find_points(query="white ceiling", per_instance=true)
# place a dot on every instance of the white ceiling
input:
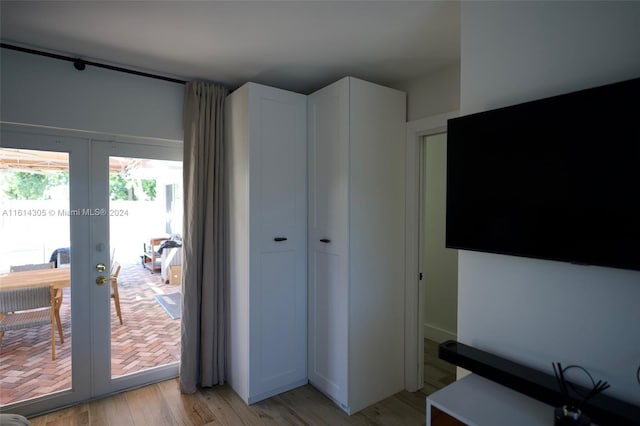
(295, 45)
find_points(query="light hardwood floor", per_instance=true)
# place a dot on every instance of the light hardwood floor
(437, 373)
(162, 404)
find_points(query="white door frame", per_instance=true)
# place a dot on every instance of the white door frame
(414, 290)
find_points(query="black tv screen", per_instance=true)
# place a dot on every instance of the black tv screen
(556, 178)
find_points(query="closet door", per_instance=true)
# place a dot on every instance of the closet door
(278, 209)
(376, 242)
(328, 115)
(265, 129)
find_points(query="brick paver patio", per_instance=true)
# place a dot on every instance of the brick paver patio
(148, 338)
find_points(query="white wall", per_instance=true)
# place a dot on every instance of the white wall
(434, 93)
(439, 264)
(49, 92)
(535, 311)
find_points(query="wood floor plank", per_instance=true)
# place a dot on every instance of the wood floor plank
(394, 411)
(317, 409)
(228, 408)
(78, 419)
(73, 416)
(188, 410)
(162, 404)
(111, 411)
(417, 400)
(281, 413)
(148, 407)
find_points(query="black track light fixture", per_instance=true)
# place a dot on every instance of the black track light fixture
(79, 64)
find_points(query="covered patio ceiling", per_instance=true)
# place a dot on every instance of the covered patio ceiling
(26, 160)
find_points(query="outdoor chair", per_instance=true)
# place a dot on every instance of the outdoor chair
(114, 288)
(31, 307)
(31, 267)
(34, 267)
(63, 259)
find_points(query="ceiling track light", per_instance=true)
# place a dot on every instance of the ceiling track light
(79, 64)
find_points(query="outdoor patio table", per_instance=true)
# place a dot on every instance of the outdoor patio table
(57, 277)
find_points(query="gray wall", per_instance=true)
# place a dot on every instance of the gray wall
(433, 93)
(537, 311)
(49, 92)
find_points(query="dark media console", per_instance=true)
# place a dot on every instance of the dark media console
(602, 409)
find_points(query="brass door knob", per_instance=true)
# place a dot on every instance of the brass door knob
(101, 267)
(102, 280)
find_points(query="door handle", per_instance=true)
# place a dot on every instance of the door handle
(102, 280)
(278, 239)
(325, 240)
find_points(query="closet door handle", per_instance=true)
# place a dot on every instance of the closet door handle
(325, 240)
(278, 239)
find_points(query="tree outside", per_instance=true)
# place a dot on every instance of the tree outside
(32, 186)
(41, 186)
(122, 188)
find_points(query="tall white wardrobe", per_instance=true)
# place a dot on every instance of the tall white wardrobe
(265, 130)
(356, 242)
(317, 294)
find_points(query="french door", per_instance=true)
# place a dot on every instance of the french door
(114, 197)
(126, 225)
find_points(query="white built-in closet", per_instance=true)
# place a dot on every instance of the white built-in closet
(356, 242)
(347, 148)
(266, 141)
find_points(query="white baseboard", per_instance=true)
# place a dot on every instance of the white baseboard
(438, 334)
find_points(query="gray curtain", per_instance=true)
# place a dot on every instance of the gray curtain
(205, 285)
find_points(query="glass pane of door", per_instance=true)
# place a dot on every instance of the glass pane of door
(145, 227)
(35, 256)
(136, 189)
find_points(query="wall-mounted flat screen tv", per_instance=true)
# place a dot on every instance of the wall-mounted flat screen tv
(556, 178)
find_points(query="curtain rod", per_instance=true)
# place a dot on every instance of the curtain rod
(80, 64)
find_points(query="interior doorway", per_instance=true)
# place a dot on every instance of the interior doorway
(438, 265)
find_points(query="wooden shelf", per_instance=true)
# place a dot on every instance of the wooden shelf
(150, 255)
